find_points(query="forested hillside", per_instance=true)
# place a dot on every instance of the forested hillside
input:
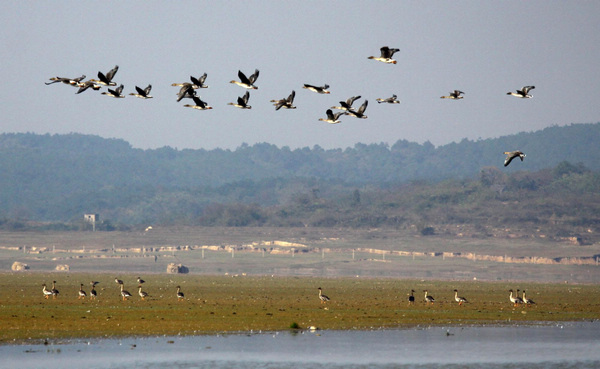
(57, 178)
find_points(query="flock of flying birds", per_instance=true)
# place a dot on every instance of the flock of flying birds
(188, 90)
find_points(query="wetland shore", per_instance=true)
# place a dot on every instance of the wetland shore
(221, 304)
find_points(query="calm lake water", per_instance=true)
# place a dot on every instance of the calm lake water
(564, 345)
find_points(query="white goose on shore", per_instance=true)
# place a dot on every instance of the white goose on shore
(459, 299)
(47, 293)
(322, 297)
(124, 294)
(428, 298)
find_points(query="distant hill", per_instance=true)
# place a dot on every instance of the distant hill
(60, 177)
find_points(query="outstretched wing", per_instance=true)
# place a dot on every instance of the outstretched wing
(254, 76)
(329, 114)
(351, 100)
(363, 107)
(110, 75)
(243, 78)
(385, 52)
(526, 89)
(290, 98)
(103, 78)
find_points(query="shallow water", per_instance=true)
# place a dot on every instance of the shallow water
(564, 345)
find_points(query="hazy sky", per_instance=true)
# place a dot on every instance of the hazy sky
(484, 48)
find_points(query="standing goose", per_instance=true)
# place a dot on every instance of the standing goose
(47, 293)
(516, 300)
(322, 297)
(242, 102)
(142, 94)
(287, 103)
(246, 82)
(332, 118)
(454, 95)
(526, 300)
(200, 105)
(124, 294)
(93, 293)
(360, 113)
(389, 100)
(140, 280)
(346, 105)
(317, 89)
(116, 93)
(81, 294)
(68, 81)
(459, 299)
(142, 294)
(510, 155)
(411, 297)
(54, 290)
(106, 80)
(522, 93)
(386, 55)
(199, 82)
(428, 298)
(179, 294)
(118, 281)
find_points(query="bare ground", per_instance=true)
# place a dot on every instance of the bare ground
(322, 252)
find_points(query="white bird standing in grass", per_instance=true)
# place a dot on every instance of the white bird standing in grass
(142, 294)
(81, 293)
(322, 297)
(459, 299)
(47, 293)
(526, 300)
(180, 294)
(124, 294)
(428, 298)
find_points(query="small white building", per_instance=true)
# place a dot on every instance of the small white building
(92, 219)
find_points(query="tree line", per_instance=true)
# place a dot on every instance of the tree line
(57, 178)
